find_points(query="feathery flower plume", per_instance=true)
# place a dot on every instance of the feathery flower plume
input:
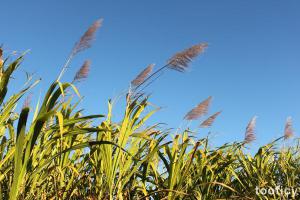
(250, 131)
(83, 72)
(288, 129)
(88, 37)
(200, 110)
(84, 43)
(180, 60)
(209, 121)
(142, 76)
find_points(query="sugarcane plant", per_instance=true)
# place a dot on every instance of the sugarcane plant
(51, 150)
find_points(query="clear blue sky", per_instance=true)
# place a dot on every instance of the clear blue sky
(251, 67)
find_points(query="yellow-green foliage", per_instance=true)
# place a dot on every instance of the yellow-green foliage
(61, 154)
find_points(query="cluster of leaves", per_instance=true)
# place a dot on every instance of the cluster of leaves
(62, 154)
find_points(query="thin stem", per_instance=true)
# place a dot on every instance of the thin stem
(64, 68)
(157, 71)
(143, 88)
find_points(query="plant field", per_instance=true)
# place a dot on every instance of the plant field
(52, 151)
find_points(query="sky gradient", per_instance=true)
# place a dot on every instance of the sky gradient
(251, 67)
